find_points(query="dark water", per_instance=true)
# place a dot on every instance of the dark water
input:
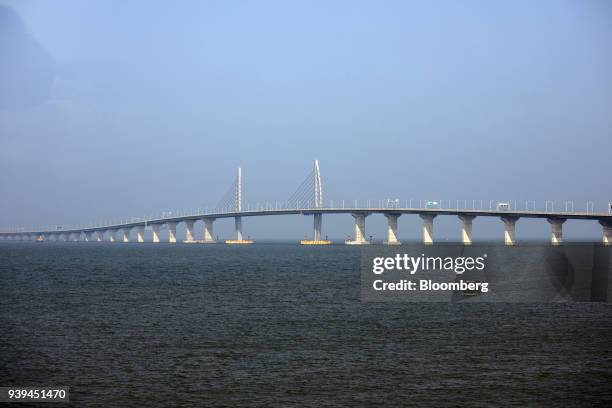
(138, 325)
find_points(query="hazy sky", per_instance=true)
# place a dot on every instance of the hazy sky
(115, 109)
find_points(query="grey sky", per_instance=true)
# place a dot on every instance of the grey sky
(133, 108)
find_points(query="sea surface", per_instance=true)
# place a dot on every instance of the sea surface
(277, 325)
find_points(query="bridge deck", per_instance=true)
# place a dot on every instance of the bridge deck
(605, 217)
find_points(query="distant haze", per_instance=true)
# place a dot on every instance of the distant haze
(114, 109)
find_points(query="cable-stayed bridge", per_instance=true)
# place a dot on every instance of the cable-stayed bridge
(308, 200)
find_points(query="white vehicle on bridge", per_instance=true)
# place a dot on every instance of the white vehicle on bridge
(432, 204)
(503, 207)
(392, 203)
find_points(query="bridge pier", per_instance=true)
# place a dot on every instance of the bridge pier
(466, 228)
(392, 229)
(318, 225)
(208, 231)
(189, 235)
(557, 230)
(238, 223)
(607, 232)
(427, 228)
(112, 235)
(239, 239)
(126, 233)
(140, 230)
(171, 232)
(98, 236)
(360, 231)
(155, 228)
(510, 228)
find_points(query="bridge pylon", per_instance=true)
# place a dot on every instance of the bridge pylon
(318, 203)
(238, 209)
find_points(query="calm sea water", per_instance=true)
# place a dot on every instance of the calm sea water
(278, 325)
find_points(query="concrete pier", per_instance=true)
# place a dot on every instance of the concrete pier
(607, 232)
(238, 223)
(509, 231)
(155, 228)
(466, 228)
(126, 233)
(239, 237)
(392, 238)
(557, 230)
(111, 235)
(140, 229)
(318, 225)
(189, 235)
(360, 231)
(427, 228)
(208, 231)
(98, 236)
(171, 232)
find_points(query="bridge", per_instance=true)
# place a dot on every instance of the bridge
(308, 200)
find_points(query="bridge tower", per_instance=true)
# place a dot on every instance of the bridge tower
(238, 204)
(318, 190)
(318, 204)
(238, 209)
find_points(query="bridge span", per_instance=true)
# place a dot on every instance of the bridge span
(509, 218)
(311, 193)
